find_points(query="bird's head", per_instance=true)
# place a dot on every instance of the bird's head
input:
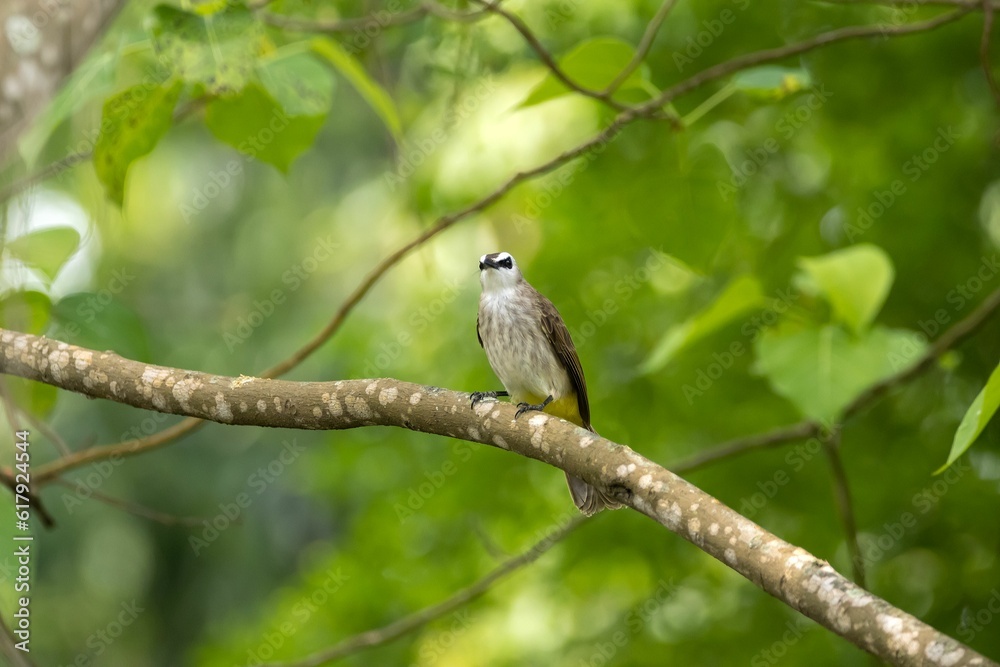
(498, 271)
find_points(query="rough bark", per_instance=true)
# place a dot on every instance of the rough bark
(787, 572)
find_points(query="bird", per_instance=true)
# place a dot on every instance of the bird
(531, 352)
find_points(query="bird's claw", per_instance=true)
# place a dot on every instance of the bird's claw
(478, 396)
(527, 407)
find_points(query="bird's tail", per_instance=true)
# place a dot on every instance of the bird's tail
(588, 498)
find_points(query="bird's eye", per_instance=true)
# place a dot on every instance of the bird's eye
(481, 266)
(507, 263)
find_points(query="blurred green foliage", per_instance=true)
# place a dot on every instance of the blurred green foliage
(814, 225)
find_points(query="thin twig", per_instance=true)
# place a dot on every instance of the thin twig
(845, 506)
(378, 20)
(644, 45)
(414, 621)
(136, 508)
(7, 476)
(344, 25)
(949, 339)
(778, 436)
(73, 159)
(494, 7)
(13, 410)
(984, 50)
(43, 174)
(780, 53)
(47, 472)
(7, 479)
(808, 428)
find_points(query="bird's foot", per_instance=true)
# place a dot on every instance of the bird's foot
(528, 407)
(478, 396)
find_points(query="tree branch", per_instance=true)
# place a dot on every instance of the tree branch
(845, 506)
(522, 28)
(417, 620)
(949, 339)
(780, 53)
(136, 509)
(791, 574)
(778, 436)
(644, 45)
(809, 429)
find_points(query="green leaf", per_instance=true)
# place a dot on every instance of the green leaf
(593, 64)
(741, 295)
(772, 82)
(376, 96)
(855, 280)
(25, 311)
(46, 250)
(297, 81)
(217, 50)
(255, 124)
(821, 370)
(133, 122)
(976, 417)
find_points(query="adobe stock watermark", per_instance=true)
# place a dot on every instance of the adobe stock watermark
(94, 304)
(712, 29)
(217, 181)
(785, 128)
(796, 459)
(421, 150)
(873, 548)
(558, 13)
(101, 640)
(604, 652)
(960, 296)
(624, 289)
(899, 15)
(153, 77)
(913, 169)
(437, 647)
(100, 471)
(418, 495)
(773, 654)
(303, 610)
(555, 184)
(257, 482)
(370, 29)
(975, 622)
(293, 278)
(708, 375)
(417, 322)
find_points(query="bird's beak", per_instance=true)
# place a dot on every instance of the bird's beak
(490, 263)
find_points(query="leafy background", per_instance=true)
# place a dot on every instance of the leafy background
(813, 224)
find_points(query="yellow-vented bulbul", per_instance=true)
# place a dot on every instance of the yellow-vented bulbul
(530, 350)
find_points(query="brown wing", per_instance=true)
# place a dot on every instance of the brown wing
(479, 335)
(558, 335)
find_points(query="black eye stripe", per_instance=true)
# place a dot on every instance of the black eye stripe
(507, 263)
